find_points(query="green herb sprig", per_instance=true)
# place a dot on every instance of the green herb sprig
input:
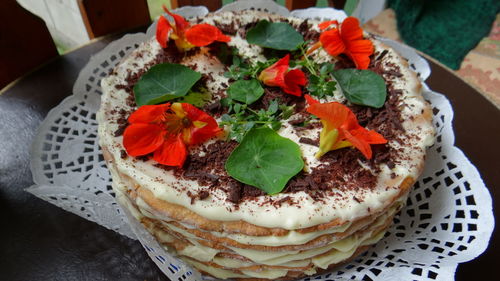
(321, 82)
(241, 118)
(242, 70)
(322, 85)
(304, 60)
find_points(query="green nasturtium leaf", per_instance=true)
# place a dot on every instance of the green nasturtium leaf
(246, 91)
(197, 97)
(164, 82)
(265, 160)
(363, 87)
(276, 35)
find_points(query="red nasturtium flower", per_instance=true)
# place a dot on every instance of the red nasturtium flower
(341, 128)
(185, 35)
(166, 130)
(279, 75)
(345, 39)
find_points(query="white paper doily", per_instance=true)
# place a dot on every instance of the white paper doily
(448, 218)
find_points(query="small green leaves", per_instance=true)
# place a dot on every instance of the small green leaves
(245, 91)
(164, 82)
(363, 87)
(322, 85)
(240, 118)
(276, 35)
(238, 70)
(265, 160)
(241, 70)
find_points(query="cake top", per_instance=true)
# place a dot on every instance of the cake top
(236, 115)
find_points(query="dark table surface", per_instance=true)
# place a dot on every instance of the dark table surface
(42, 242)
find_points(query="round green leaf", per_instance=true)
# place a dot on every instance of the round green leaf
(276, 35)
(265, 160)
(164, 82)
(246, 91)
(363, 87)
(197, 97)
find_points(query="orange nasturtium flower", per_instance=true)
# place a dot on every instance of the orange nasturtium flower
(279, 75)
(341, 128)
(345, 39)
(166, 130)
(185, 35)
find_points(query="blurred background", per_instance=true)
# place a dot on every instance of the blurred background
(462, 35)
(67, 25)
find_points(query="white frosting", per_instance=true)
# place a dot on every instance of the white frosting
(165, 186)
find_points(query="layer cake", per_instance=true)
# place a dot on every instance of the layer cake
(332, 210)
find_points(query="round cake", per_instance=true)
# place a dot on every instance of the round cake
(257, 147)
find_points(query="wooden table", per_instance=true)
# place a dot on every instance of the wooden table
(42, 242)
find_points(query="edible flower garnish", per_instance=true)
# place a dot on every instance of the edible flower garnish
(341, 128)
(345, 39)
(279, 75)
(185, 35)
(165, 130)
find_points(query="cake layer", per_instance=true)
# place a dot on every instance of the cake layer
(311, 239)
(230, 262)
(222, 260)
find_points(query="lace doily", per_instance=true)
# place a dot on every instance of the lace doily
(448, 218)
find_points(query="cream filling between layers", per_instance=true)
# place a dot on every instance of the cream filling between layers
(163, 183)
(323, 262)
(283, 258)
(235, 263)
(292, 238)
(338, 252)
